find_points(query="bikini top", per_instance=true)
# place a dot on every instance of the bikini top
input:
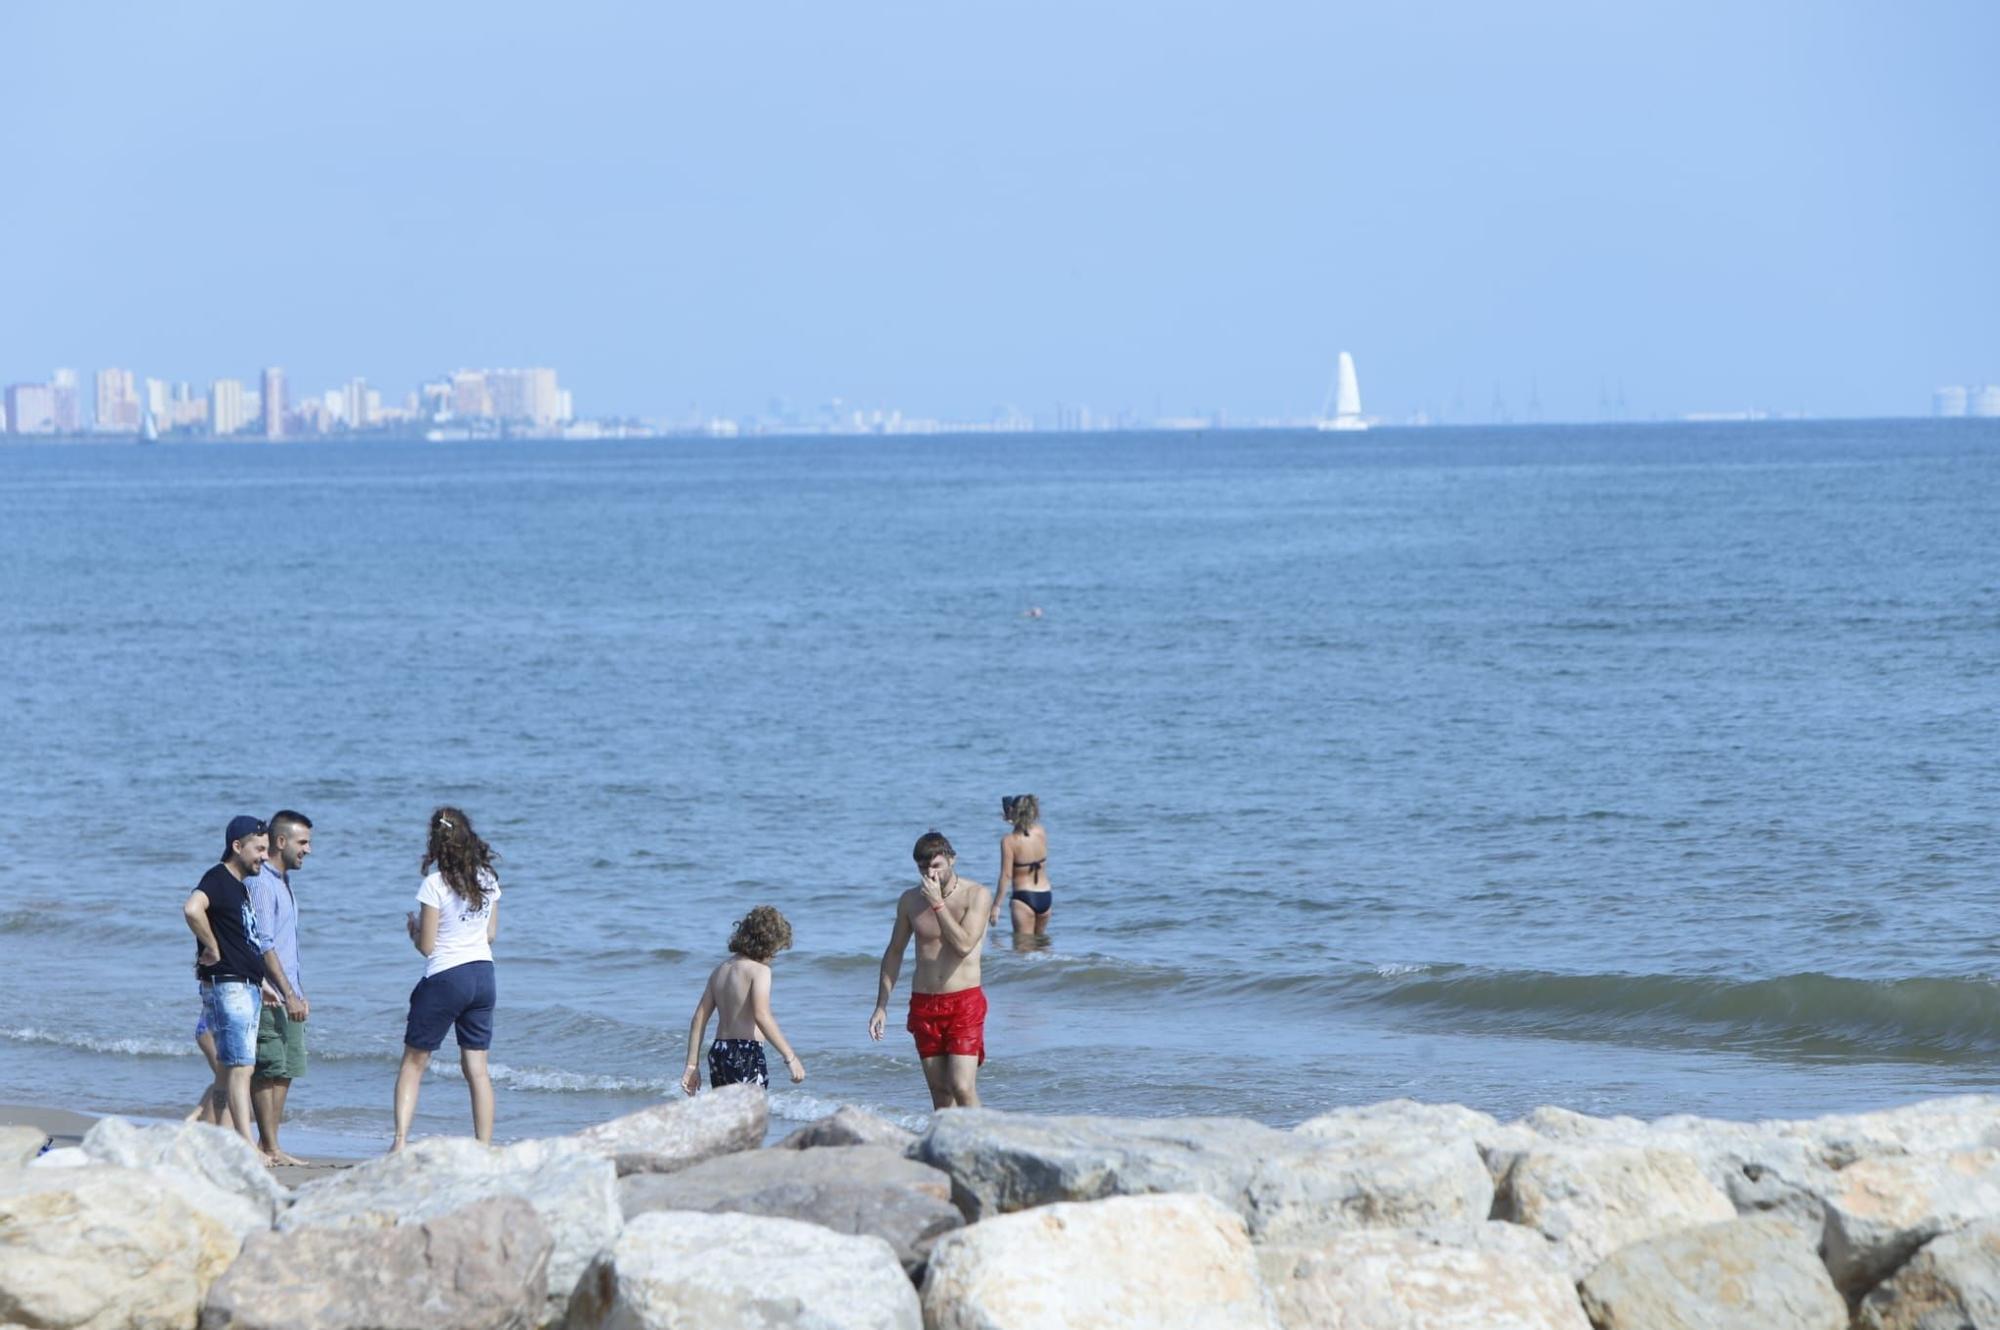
(1035, 866)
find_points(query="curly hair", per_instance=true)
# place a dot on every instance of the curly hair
(464, 860)
(1022, 811)
(761, 934)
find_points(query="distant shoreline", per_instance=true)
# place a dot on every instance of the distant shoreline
(617, 433)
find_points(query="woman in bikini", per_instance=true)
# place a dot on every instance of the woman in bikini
(1024, 855)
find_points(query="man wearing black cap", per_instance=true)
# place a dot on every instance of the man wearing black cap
(233, 960)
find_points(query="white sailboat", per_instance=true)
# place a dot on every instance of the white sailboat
(1345, 399)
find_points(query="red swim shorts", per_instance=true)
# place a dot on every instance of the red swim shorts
(949, 1023)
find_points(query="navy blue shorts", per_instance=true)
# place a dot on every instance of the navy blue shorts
(460, 997)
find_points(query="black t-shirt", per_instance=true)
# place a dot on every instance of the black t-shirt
(235, 925)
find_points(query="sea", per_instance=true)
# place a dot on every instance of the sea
(1641, 769)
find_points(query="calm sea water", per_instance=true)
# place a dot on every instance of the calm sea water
(1639, 769)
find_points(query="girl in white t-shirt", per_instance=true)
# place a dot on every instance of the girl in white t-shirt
(456, 919)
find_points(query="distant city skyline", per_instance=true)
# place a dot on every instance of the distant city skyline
(531, 403)
(480, 400)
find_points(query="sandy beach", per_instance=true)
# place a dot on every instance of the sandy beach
(65, 1127)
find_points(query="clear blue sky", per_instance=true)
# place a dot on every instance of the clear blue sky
(949, 206)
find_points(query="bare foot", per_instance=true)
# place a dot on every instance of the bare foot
(281, 1158)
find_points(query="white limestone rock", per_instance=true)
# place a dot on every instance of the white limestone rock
(1170, 1262)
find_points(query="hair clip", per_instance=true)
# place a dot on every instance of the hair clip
(445, 822)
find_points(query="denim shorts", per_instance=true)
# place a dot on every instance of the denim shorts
(462, 998)
(230, 1008)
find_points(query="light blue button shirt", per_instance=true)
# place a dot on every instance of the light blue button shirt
(278, 919)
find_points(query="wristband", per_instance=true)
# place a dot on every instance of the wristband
(938, 908)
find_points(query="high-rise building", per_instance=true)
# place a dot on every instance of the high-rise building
(227, 411)
(1948, 402)
(523, 396)
(117, 403)
(68, 402)
(31, 408)
(354, 405)
(470, 395)
(1983, 402)
(159, 400)
(274, 403)
(543, 398)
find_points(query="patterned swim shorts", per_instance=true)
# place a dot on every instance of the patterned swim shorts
(734, 1061)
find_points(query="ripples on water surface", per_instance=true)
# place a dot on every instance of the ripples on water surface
(1646, 770)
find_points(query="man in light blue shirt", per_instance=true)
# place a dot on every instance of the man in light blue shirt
(281, 1041)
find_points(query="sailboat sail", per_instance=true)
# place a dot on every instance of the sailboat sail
(1345, 399)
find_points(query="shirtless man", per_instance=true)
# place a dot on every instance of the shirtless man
(948, 915)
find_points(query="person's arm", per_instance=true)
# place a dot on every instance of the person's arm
(492, 920)
(892, 965)
(196, 914)
(691, 1078)
(296, 1006)
(1006, 877)
(264, 905)
(767, 1024)
(963, 935)
(424, 928)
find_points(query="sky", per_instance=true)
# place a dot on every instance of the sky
(1154, 207)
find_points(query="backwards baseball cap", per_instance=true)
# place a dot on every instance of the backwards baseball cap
(240, 826)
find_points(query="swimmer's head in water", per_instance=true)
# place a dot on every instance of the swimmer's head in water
(929, 847)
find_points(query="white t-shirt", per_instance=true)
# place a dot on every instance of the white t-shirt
(461, 929)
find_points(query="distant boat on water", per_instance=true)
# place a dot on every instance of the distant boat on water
(1344, 397)
(149, 429)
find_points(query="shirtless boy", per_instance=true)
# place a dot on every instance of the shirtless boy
(740, 990)
(948, 915)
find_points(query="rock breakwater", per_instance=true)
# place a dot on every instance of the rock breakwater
(1396, 1216)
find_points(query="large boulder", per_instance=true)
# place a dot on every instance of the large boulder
(1591, 1199)
(1129, 1263)
(485, 1267)
(677, 1271)
(1402, 1115)
(859, 1189)
(574, 1191)
(1952, 1284)
(1763, 1172)
(213, 1170)
(672, 1135)
(1282, 1183)
(1742, 1274)
(848, 1125)
(1760, 1169)
(1929, 1126)
(1483, 1277)
(104, 1248)
(20, 1145)
(1881, 1210)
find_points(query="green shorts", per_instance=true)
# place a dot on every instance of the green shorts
(281, 1046)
